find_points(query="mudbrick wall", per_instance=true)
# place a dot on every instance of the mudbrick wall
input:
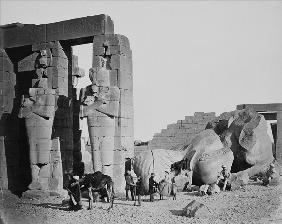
(181, 132)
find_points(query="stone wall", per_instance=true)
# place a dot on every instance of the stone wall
(181, 132)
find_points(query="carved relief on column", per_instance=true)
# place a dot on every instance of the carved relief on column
(38, 108)
(100, 104)
(116, 50)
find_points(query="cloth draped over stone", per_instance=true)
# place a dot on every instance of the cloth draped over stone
(154, 161)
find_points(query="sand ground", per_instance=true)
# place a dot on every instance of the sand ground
(253, 204)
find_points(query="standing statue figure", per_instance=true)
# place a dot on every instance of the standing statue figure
(38, 108)
(100, 104)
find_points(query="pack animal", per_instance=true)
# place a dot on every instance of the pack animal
(98, 183)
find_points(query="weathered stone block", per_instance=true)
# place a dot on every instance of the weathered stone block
(80, 27)
(188, 119)
(102, 143)
(122, 63)
(196, 209)
(107, 156)
(125, 143)
(107, 170)
(118, 178)
(126, 111)
(47, 45)
(126, 97)
(59, 62)
(40, 83)
(96, 62)
(114, 77)
(21, 35)
(118, 157)
(98, 50)
(96, 157)
(119, 50)
(110, 40)
(125, 80)
(101, 122)
(6, 64)
(57, 170)
(58, 52)
(199, 114)
(8, 76)
(60, 82)
(45, 171)
(3, 165)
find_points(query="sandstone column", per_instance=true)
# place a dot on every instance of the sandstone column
(38, 109)
(116, 49)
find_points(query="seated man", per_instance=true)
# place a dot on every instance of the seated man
(74, 193)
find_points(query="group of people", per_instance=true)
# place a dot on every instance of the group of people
(224, 176)
(135, 188)
(134, 185)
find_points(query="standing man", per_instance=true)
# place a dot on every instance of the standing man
(153, 187)
(129, 185)
(223, 176)
(138, 190)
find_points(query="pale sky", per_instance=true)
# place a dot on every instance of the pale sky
(188, 56)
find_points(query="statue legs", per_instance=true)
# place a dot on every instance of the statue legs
(39, 132)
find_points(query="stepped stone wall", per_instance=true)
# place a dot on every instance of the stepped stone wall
(181, 132)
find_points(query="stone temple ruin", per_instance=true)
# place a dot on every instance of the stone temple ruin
(41, 111)
(183, 131)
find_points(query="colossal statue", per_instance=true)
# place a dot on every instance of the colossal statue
(100, 104)
(38, 108)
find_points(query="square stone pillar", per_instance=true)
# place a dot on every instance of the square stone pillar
(7, 126)
(279, 138)
(116, 49)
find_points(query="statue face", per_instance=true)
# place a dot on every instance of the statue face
(89, 100)
(27, 102)
(104, 92)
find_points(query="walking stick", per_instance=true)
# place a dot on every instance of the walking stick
(134, 195)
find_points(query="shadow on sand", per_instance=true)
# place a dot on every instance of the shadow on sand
(177, 212)
(53, 206)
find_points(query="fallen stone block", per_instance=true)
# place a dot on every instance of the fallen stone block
(197, 210)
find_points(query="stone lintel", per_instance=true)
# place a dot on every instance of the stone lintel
(17, 35)
(261, 107)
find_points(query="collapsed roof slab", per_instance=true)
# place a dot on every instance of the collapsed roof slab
(77, 31)
(262, 107)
